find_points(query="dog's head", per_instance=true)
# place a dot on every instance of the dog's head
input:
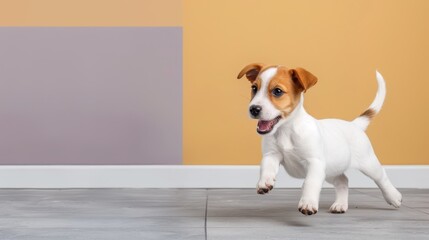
(275, 93)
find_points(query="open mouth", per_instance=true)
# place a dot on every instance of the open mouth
(265, 127)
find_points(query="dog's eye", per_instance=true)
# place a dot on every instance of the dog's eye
(254, 89)
(277, 92)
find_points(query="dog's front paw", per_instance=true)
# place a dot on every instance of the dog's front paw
(308, 207)
(265, 185)
(338, 207)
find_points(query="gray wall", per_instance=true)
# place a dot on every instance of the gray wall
(91, 95)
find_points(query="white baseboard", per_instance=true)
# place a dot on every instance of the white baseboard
(180, 176)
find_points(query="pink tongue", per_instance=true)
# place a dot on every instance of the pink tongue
(265, 125)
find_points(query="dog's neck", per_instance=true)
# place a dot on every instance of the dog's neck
(296, 116)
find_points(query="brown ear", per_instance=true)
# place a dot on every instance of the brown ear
(303, 78)
(251, 71)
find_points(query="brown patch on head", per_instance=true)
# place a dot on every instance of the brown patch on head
(291, 81)
(292, 91)
(369, 113)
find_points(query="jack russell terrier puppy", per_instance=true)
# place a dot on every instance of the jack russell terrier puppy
(317, 150)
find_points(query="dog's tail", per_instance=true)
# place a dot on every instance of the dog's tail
(364, 119)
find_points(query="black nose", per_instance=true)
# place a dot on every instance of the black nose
(255, 110)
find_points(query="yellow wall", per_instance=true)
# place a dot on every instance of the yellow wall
(340, 41)
(90, 12)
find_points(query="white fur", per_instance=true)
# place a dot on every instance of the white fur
(261, 98)
(319, 150)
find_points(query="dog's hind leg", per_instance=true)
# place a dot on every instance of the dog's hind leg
(371, 167)
(341, 203)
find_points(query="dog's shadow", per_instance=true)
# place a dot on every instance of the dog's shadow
(266, 215)
(289, 215)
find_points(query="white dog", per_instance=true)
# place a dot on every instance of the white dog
(316, 150)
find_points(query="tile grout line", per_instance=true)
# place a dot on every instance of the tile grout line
(205, 215)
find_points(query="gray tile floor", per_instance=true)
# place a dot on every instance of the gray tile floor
(104, 214)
